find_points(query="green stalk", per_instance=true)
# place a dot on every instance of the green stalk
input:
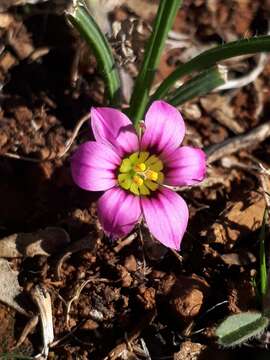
(263, 267)
(166, 14)
(199, 85)
(89, 30)
(211, 57)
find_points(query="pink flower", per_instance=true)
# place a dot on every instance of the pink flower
(136, 173)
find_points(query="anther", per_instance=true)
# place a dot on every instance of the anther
(140, 167)
(151, 175)
(137, 180)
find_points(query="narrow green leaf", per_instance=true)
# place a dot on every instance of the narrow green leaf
(263, 268)
(89, 30)
(238, 328)
(211, 57)
(163, 22)
(199, 85)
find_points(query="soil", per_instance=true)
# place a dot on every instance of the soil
(130, 299)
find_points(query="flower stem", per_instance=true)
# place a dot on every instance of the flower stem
(165, 16)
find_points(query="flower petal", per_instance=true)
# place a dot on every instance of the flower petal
(111, 126)
(185, 166)
(93, 166)
(164, 128)
(118, 212)
(166, 216)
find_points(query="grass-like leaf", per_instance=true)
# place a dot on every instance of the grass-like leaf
(90, 31)
(199, 85)
(211, 57)
(263, 268)
(237, 329)
(163, 22)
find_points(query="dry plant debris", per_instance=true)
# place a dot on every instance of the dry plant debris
(10, 290)
(43, 242)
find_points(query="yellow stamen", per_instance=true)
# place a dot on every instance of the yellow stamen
(151, 175)
(140, 173)
(137, 180)
(140, 167)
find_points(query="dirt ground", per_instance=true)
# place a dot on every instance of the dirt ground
(131, 299)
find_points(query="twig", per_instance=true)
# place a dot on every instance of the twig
(237, 143)
(78, 294)
(246, 79)
(73, 136)
(145, 349)
(19, 157)
(125, 242)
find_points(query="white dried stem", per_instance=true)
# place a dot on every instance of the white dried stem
(246, 79)
(42, 298)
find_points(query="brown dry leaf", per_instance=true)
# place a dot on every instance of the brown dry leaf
(189, 351)
(238, 259)
(219, 107)
(42, 242)
(239, 219)
(10, 289)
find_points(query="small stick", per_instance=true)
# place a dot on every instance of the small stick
(237, 143)
(74, 135)
(246, 79)
(78, 294)
(19, 157)
(127, 241)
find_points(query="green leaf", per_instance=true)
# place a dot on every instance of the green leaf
(163, 22)
(199, 85)
(89, 30)
(211, 57)
(263, 268)
(238, 328)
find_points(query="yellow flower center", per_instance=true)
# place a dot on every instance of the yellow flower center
(141, 173)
